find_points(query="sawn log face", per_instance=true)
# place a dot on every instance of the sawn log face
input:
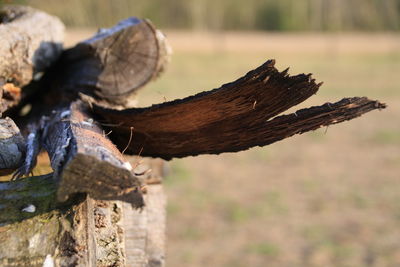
(112, 65)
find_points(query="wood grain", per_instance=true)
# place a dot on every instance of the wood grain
(234, 117)
(112, 65)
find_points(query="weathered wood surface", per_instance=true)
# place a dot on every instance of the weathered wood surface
(111, 66)
(62, 236)
(144, 230)
(12, 146)
(106, 71)
(234, 117)
(85, 160)
(31, 41)
(37, 227)
(39, 191)
(34, 227)
(94, 69)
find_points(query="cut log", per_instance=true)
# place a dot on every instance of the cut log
(84, 160)
(111, 66)
(235, 117)
(12, 146)
(31, 42)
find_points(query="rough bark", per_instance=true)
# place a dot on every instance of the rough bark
(12, 146)
(234, 117)
(111, 66)
(31, 42)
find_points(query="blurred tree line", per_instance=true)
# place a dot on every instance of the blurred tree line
(273, 15)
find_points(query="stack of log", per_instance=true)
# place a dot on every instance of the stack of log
(101, 205)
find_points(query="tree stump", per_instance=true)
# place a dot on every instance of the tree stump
(101, 205)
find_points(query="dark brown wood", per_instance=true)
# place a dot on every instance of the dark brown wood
(235, 117)
(31, 41)
(111, 66)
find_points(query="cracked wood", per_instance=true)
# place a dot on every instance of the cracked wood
(85, 160)
(234, 117)
(112, 65)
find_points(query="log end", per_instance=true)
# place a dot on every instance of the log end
(100, 179)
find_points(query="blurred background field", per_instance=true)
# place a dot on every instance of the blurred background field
(282, 15)
(326, 198)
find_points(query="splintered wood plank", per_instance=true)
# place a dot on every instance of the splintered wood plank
(234, 117)
(85, 160)
(111, 66)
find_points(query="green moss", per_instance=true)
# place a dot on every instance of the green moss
(179, 174)
(274, 204)
(386, 137)
(237, 213)
(264, 248)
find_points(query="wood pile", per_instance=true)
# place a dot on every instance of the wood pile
(101, 205)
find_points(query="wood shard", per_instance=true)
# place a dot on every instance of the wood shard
(225, 120)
